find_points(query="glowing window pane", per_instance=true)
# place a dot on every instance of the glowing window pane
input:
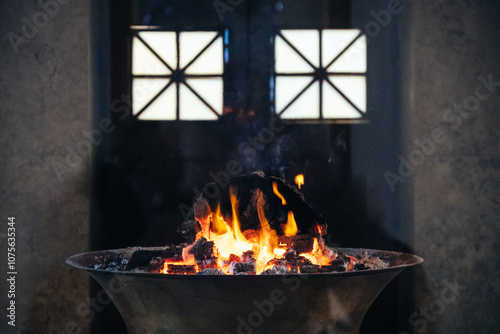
(145, 62)
(334, 42)
(163, 43)
(287, 88)
(210, 61)
(343, 60)
(335, 106)
(144, 90)
(306, 42)
(306, 106)
(353, 60)
(163, 108)
(155, 54)
(354, 88)
(289, 61)
(192, 43)
(210, 89)
(191, 107)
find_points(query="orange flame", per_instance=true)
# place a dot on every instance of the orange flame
(166, 264)
(290, 226)
(316, 256)
(299, 180)
(165, 268)
(277, 193)
(187, 257)
(230, 241)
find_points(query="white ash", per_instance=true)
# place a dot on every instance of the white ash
(211, 271)
(277, 270)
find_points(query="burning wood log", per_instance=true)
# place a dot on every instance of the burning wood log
(207, 264)
(303, 242)
(309, 269)
(181, 269)
(203, 252)
(234, 258)
(156, 265)
(202, 249)
(247, 189)
(257, 224)
(277, 270)
(247, 266)
(141, 258)
(242, 268)
(248, 256)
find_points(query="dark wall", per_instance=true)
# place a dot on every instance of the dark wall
(454, 51)
(431, 160)
(45, 158)
(428, 58)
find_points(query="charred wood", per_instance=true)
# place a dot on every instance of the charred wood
(142, 258)
(247, 189)
(202, 249)
(309, 269)
(181, 269)
(242, 268)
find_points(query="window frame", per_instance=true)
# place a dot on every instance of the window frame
(248, 94)
(320, 120)
(134, 32)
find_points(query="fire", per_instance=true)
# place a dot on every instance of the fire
(257, 250)
(277, 193)
(268, 239)
(299, 180)
(316, 256)
(291, 225)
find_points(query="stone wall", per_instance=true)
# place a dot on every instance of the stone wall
(454, 52)
(45, 104)
(435, 131)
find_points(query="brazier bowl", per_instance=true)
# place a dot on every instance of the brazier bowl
(257, 304)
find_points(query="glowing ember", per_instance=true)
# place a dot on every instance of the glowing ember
(299, 180)
(268, 245)
(226, 247)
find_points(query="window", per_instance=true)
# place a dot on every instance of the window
(178, 75)
(317, 74)
(320, 74)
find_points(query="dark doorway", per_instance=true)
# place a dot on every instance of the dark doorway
(148, 171)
